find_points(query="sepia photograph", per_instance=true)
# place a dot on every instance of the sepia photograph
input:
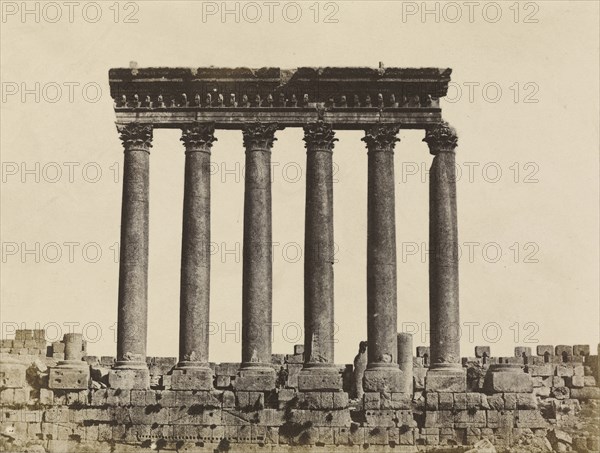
(300, 226)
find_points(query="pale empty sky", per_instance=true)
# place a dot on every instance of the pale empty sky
(524, 100)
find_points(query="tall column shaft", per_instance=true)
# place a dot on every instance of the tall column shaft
(443, 245)
(382, 373)
(257, 289)
(319, 326)
(382, 312)
(133, 261)
(195, 247)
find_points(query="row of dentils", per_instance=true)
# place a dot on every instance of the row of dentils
(282, 101)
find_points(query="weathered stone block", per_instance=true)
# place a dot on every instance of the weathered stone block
(564, 369)
(371, 400)
(315, 400)
(439, 419)
(517, 382)
(589, 381)
(380, 418)
(522, 351)
(228, 399)
(407, 436)
(69, 378)
(511, 360)
(355, 435)
(250, 400)
(118, 397)
(255, 380)
(431, 436)
(376, 436)
(326, 436)
(316, 380)
(543, 392)
(223, 381)
(543, 349)
(203, 398)
(405, 419)
(563, 350)
(581, 350)
(473, 436)
(340, 400)
(446, 381)
(576, 381)
(510, 401)
(294, 358)
(121, 378)
(192, 379)
(12, 374)
(383, 380)
(293, 372)
(227, 368)
(530, 419)
(46, 396)
(470, 419)
(56, 414)
(138, 397)
(560, 393)
(526, 401)
(474, 400)
(586, 393)
(460, 401)
(446, 401)
(432, 401)
(423, 351)
(419, 374)
(500, 419)
(482, 351)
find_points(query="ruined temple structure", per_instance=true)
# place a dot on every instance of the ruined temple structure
(59, 398)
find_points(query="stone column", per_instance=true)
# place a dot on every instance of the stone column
(130, 369)
(256, 374)
(193, 372)
(73, 347)
(405, 360)
(319, 372)
(72, 373)
(445, 372)
(382, 373)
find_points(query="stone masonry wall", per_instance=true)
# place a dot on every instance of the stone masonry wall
(543, 402)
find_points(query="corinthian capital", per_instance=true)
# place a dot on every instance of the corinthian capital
(259, 135)
(441, 138)
(136, 136)
(381, 137)
(198, 136)
(319, 134)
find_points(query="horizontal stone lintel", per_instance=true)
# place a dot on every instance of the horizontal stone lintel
(318, 84)
(236, 118)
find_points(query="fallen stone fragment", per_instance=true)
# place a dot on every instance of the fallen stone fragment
(483, 446)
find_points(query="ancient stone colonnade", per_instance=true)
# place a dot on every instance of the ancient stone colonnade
(260, 102)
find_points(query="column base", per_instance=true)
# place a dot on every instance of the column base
(255, 377)
(188, 376)
(129, 376)
(446, 378)
(319, 377)
(69, 375)
(507, 378)
(383, 378)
